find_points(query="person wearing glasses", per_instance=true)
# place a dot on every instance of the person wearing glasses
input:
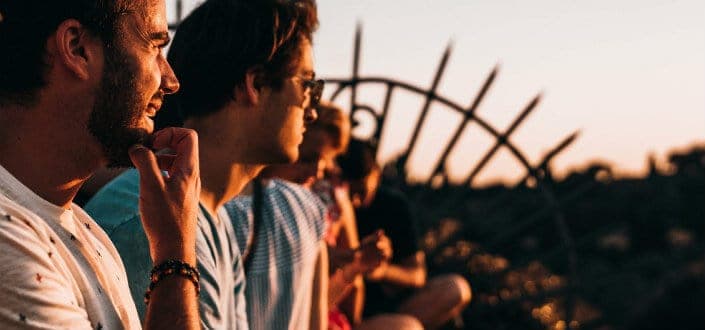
(293, 220)
(247, 88)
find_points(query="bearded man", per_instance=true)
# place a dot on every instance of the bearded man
(79, 83)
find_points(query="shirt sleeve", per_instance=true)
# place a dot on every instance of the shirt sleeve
(212, 317)
(319, 211)
(34, 291)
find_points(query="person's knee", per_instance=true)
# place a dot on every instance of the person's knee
(458, 288)
(407, 322)
(391, 321)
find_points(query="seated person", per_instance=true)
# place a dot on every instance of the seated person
(399, 286)
(78, 83)
(324, 140)
(248, 105)
(279, 228)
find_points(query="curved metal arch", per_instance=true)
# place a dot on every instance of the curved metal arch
(469, 117)
(502, 139)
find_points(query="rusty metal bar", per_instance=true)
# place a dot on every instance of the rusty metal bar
(383, 116)
(179, 15)
(340, 89)
(179, 10)
(503, 140)
(430, 96)
(468, 117)
(371, 111)
(355, 69)
(566, 142)
(344, 83)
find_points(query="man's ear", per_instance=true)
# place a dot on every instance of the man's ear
(250, 91)
(76, 48)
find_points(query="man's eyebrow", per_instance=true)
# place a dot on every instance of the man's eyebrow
(161, 37)
(309, 73)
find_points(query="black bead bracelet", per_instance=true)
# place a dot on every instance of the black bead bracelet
(172, 267)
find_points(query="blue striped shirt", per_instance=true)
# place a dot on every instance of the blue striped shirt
(280, 278)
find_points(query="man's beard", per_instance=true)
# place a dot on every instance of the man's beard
(117, 110)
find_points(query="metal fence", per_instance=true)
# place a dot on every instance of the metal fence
(550, 210)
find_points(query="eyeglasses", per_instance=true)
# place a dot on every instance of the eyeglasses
(316, 86)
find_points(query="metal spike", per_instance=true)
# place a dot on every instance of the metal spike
(561, 146)
(429, 97)
(566, 142)
(382, 118)
(502, 139)
(469, 115)
(356, 67)
(179, 11)
(519, 119)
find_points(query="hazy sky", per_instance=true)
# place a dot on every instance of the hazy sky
(629, 74)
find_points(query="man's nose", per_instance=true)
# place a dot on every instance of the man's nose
(310, 115)
(170, 84)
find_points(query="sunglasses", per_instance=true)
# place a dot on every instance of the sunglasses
(316, 86)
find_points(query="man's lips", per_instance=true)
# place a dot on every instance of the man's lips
(153, 108)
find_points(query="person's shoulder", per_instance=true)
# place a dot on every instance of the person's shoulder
(296, 194)
(239, 208)
(290, 189)
(279, 185)
(117, 202)
(19, 226)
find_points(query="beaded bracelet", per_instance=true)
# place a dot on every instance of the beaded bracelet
(172, 267)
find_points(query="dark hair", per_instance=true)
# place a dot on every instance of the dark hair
(25, 26)
(221, 40)
(359, 161)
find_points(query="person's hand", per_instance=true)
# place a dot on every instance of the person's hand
(375, 250)
(169, 204)
(378, 273)
(383, 247)
(384, 244)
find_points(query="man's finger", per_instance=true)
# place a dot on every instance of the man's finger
(174, 138)
(146, 163)
(165, 161)
(371, 238)
(184, 142)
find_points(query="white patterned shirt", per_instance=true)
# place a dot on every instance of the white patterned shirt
(58, 269)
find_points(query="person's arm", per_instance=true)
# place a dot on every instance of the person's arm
(347, 293)
(348, 236)
(319, 301)
(411, 272)
(346, 284)
(343, 277)
(353, 304)
(168, 208)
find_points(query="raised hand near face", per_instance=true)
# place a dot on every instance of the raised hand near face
(169, 203)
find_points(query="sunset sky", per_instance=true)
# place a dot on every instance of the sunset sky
(630, 75)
